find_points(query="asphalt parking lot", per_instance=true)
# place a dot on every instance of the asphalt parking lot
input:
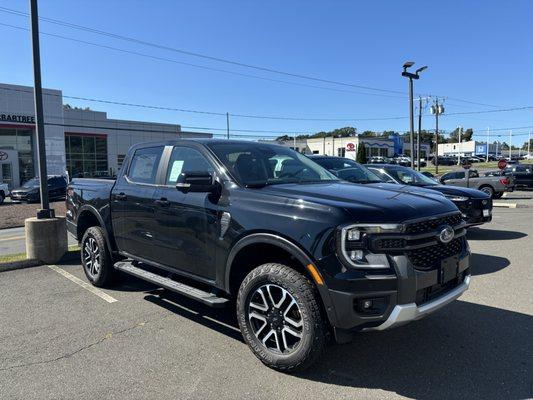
(59, 340)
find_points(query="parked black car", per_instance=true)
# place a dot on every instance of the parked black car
(301, 252)
(522, 175)
(30, 190)
(346, 169)
(475, 205)
(445, 160)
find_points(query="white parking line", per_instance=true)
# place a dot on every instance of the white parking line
(83, 284)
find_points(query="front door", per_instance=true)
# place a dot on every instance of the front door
(186, 222)
(132, 204)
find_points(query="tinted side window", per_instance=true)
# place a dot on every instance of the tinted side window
(186, 159)
(144, 164)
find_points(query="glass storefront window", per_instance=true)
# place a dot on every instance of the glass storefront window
(20, 140)
(86, 155)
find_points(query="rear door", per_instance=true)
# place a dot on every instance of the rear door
(186, 223)
(132, 204)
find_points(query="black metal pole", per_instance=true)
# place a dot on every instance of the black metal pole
(45, 211)
(437, 136)
(419, 133)
(411, 123)
(227, 124)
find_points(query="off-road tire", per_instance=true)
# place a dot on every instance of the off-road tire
(315, 328)
(488, 190)
(107, 273)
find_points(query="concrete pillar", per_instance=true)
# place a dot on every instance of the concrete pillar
(46, 239)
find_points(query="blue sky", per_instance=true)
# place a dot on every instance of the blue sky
(481, 51)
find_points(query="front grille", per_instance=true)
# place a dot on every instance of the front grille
(390, 243)
(430, 257)
(432, 224)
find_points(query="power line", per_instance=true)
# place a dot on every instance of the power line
(136, 53)
(212, 58)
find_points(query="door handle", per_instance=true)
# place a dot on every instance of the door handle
(121, 196)
(163, 202)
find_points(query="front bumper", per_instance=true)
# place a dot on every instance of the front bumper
(475, 212)
(404, 313)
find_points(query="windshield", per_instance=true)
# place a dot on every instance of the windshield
(256, 164)
(348, 170)
(32, 183)
(411, 177)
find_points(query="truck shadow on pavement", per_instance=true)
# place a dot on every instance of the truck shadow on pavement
(493, 234)
(481, 264)
(466, 351)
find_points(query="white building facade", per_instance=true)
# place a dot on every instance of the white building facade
(470, 148)
(83, 142)
(347, 146)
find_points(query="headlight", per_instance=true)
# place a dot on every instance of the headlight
(455, 198)
(352, 245)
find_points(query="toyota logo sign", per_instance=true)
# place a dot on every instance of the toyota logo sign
(3, 156)
(350, 147)
(446, 234)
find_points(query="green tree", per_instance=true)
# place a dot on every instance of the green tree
(466, 135)
(360, 157)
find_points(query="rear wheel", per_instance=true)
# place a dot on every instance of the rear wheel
(96, 259)
(497, 195)
(488, 190)
(280, 317)
(2, 197)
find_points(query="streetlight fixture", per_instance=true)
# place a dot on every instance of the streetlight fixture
(411, 76)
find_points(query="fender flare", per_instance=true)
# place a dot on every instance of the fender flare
(90, 209)
(291, 248)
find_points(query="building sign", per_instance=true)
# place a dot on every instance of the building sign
(3, 156)
(481, 149)
(25, 119)
(350, 146)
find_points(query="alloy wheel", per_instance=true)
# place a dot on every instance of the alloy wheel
(275, 318)
(92, 257)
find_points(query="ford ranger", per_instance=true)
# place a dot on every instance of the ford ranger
(301, 254)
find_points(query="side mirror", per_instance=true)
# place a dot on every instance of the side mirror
(195, 181)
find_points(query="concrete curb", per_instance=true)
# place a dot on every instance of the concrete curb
(14, 265)
(509, 205)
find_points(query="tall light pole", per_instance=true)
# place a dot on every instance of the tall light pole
(488, 138)
(459, 132)
(419, 133)
(529, 144)
(45, 211)
(411, 76)
(437, 109)
(227, 125)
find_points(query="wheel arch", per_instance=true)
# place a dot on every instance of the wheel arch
(88, 216)
(234, 273)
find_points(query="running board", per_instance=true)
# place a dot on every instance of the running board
(206, 298)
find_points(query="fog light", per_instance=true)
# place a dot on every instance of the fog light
(357, 255)
(367, 304)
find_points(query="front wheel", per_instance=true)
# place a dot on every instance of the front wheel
(280, 317)
(95, 257)
(488, 190)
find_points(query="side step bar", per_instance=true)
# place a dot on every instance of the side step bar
(206, 298)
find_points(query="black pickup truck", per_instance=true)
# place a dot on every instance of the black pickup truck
(303, 254)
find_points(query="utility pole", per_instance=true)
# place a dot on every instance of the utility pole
(529, 144)
(45, 211)
(411, 76)
(488, 138)
(419, 133)
(437, 109)
(324, 145)
(460, 131)
(294, 142)
(510, 145)
(227, 125)
(333, 145)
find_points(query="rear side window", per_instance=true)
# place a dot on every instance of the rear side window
(144, 164)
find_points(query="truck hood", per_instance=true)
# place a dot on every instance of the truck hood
(369, 203)
(459, 191)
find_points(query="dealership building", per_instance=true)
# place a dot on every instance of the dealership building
(80, 142)
(347, 146)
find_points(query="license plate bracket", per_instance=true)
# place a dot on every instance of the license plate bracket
(449, 269)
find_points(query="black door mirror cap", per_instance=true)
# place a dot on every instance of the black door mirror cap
(195, 181)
